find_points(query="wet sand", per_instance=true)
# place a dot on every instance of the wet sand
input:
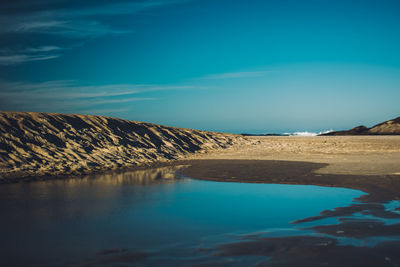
(308, 251)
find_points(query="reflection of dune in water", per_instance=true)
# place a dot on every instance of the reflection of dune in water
(68, 198)
(137, 177)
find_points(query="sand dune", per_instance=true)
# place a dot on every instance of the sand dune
(41, 144)
(391, 127)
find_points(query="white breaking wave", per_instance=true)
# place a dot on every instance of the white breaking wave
(328, 131)
(306, 133)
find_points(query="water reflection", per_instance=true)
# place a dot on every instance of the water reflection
(136, 177)
(153, 217)
(363, 234)
(88, 196)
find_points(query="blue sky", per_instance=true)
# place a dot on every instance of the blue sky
(236, 66)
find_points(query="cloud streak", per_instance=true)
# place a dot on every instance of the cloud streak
(236, 75)
(66, 89)
(67, 28)
(22, 58)
(9, 57)
(76, 21)
(102, 111)
(68, 96)
(47, 48)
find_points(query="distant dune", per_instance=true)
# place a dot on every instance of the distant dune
(42, 144)
(391, 127)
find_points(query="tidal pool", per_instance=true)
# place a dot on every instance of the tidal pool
(150, 218)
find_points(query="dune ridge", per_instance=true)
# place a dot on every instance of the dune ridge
(390, 127)
(43, 144)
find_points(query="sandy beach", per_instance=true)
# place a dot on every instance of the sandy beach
(367, 163)
(356, 155)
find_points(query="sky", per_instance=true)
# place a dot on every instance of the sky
(258, 66)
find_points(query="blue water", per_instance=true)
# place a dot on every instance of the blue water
(173, 219)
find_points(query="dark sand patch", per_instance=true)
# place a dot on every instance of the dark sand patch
(373, 209)
(379, 188)
(111, 251)
(314, 251)
(116, 257)
(359, 229)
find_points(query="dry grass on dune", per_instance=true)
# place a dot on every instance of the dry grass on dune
(51, 144)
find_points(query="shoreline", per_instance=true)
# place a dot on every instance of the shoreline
(380, 188)
(358, 162)
(377, 188)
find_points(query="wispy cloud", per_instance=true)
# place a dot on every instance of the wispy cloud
(235, 75)
(102, 111)
(66, 89)
(21, 58)
(65, 20)
(69, 96)
(117, 8)
(77, 22)
(10, 57)
(47, 48)
(36, 25)
(124, 100)
(68, 28)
